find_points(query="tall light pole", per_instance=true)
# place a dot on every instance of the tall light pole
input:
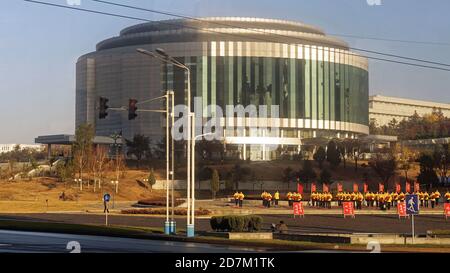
(161, 55)
(115, 137)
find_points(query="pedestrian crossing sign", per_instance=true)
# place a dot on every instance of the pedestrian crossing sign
(412, 204)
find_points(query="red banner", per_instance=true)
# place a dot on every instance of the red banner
(401, 209)
(366, 187)
(416, 187)
(348, 209)
(355, 187)
(339, 187)
(408, 187)
(398, 188)
(325, 188)
(313, 187)
(300, 188)
(380, 187)
(298, 208)
(447, 210)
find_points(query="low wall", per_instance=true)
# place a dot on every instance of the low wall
(206, 185)
(250, 235)
(256, 186)
(399, 240)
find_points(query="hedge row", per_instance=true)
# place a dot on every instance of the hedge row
(236, 223)
(158, 202)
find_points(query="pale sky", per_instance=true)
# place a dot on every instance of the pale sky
(39, 46)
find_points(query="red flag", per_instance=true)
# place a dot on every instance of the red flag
(325, 187)
(366, 187)
(398, 188)
(380, 187)
(339, 187)
(355, 187)
(300, 188)
(313, 187)
(416, 187)
(408, 187)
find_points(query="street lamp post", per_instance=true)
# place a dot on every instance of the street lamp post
(161, 55)
(115, 184)
(115, 137)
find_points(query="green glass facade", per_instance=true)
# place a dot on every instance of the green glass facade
(303, 89)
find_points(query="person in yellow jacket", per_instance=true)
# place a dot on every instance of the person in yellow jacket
(359, 200)
(268, 199)
(401, 197)
(447, 197)
(236, 198)
(426, 197)
(394, 199)
(276, 197)
(241, 199)
(432, 199)
(421, 198)
(438, 197)
(328, 199)
(289, 198)
(313, 198)
(388, 201)
(264, 198)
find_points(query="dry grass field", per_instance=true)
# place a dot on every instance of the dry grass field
(42, 194)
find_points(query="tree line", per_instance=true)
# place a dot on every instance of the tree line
(433, 125)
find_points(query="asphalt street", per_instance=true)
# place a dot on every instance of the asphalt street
(37, 242)
(311, 223)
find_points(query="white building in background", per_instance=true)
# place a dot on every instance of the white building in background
(4, 148)
(383, 109)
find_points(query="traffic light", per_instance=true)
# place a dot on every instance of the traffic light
(132, 109)
(103, 107)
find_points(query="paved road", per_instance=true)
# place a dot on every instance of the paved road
(37, 242)
(311, 223)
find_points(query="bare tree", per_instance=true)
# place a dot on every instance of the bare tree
(82, 148)
(99, 166)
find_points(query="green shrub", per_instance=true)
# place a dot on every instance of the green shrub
(236, 223)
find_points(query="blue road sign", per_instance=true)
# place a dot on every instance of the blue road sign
(412, 204)
(106, 197)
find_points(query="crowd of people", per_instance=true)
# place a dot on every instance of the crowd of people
(381, 200)
(321, 200)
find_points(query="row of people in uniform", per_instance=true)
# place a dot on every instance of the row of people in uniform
(382, 200)
(293, 197)
(239, 199)
(321, 200)
(268, 199)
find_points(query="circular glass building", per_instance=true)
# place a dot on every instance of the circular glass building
(319, 87)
